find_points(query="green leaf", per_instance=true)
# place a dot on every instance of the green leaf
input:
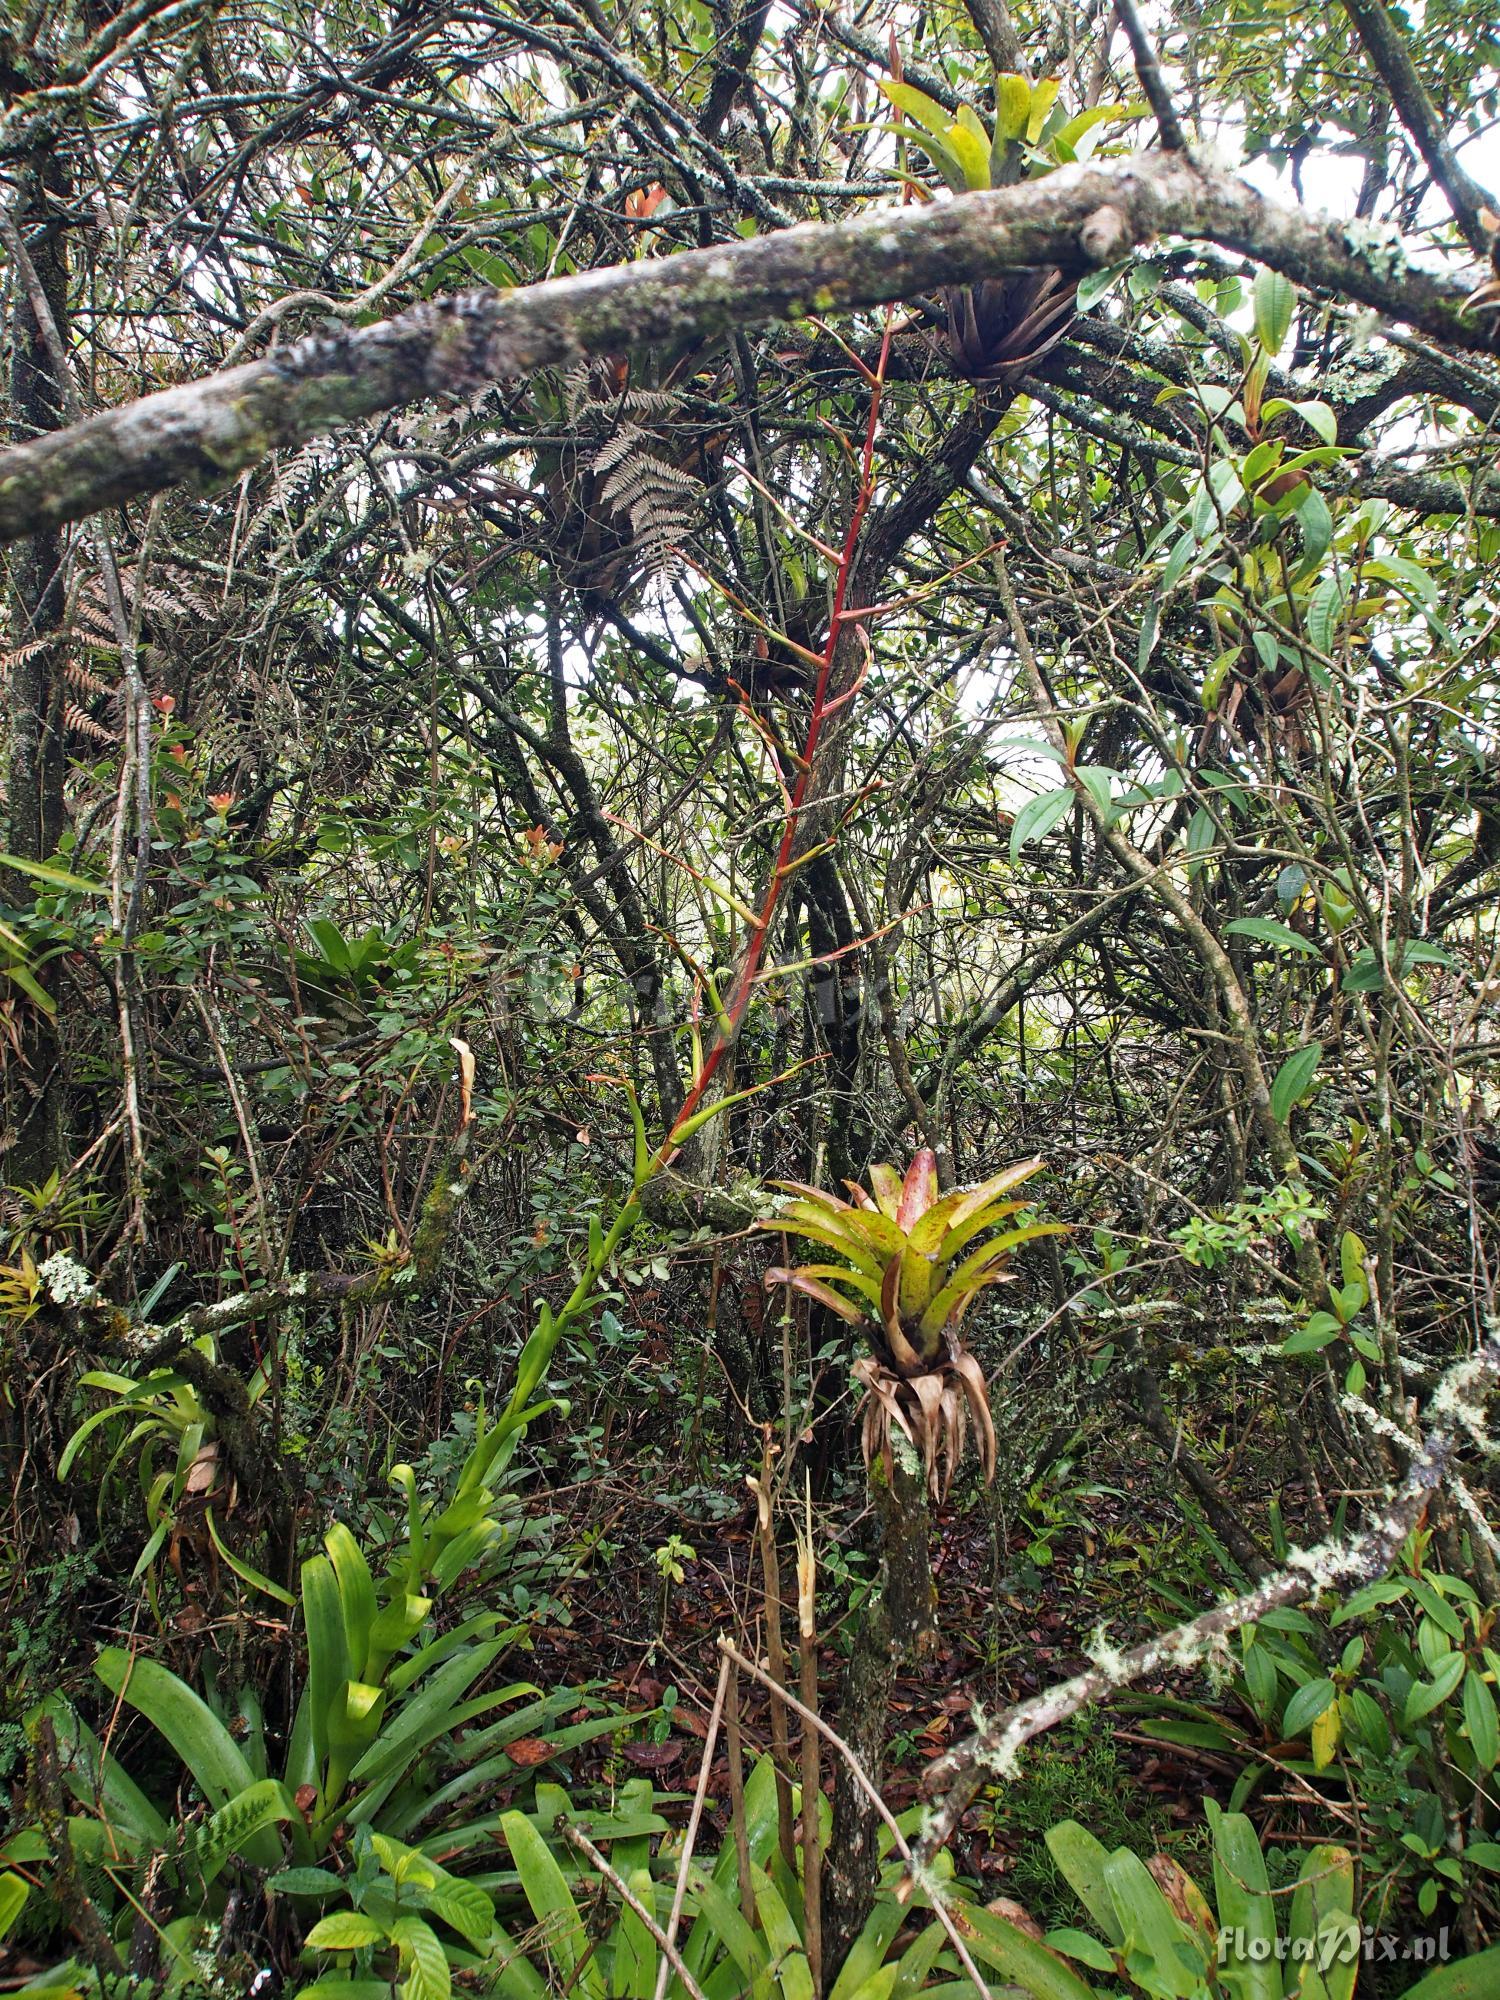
(1294, 1080)
(1324, 608)
(336, 1986)
(1351, 1258)
(1317, 416)
(1425, 1696)
(972, 154)
(1013, 98)
(1264, 458)
(96, 1780)
(54, 878)
(1019, 1959)
(918, 105)
(1043, 97)
(1182, 552)
(189, 1727)
(1481, 1721)
(1154, 1935)
(633, 1974)
(232, 1829)
(327, 1647)
(1305, 1706)
(1079, 1945)
(1081, 1860)
(721, 1924)
(462, 1904)
(866, 1955)
(1098, 781)
(794, 1979)
(329, 940)
(1145, 644)
(1275, 302)
(1365, 975)
(1038, 816)
(423, 1960)
(1320, 1330)
(37, 994)
(1322, 1919)
(546, 1890)
(1476, 1978)
(1242, 1894)
(1261, 1679)
(1093, 285)
(345, 1930)
(356, 1594)
(942, 157)
(246, 1572)
(1317, 527)
(1267, 930)
(13, 1894)
(431, 1713)
(306, 1882)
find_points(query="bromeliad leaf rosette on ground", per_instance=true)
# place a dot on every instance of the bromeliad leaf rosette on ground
(912, 1263)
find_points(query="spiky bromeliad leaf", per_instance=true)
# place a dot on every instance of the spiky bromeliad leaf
(814, 1288)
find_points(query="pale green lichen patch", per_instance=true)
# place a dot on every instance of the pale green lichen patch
(67, 1282)
(1378, 246)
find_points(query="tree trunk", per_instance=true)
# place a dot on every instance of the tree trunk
(896, 1629)
(36, 756)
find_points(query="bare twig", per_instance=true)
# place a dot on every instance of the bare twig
(931, 1888)
(680, 1891)
(575, 1837)
(1148, 69)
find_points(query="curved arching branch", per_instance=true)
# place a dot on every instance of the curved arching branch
(209, 431)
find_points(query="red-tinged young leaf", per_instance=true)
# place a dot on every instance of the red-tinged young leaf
(920, 1188)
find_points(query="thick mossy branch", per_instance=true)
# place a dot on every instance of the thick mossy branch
(429, 1243)
(205, 433)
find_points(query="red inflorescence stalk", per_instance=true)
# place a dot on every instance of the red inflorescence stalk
(739, 994)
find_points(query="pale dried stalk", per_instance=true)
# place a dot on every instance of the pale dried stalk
(577, 1838)
(770, 1566)
(812, 1785)
(680, 1891)
(737, 1796)
(861, 1777)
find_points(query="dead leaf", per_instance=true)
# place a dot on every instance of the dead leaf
(529, 1750)
(653, 1756)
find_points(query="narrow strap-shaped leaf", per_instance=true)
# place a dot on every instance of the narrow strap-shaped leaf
(185, 1721)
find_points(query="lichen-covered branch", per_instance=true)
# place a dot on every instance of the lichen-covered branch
(1457, 1407)
(208, 431)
